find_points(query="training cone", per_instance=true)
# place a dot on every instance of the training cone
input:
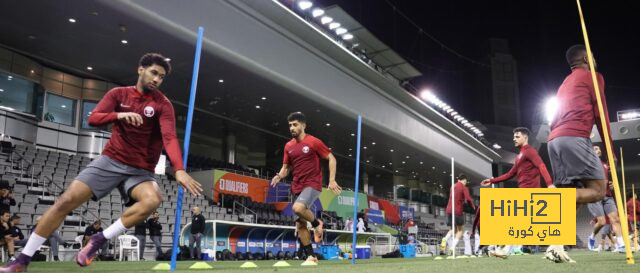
(281, 264)
(450, 257)
(200, 265)
(462, 257)
(309, 263)
(439, 258)
(249, 265)
(162, 266)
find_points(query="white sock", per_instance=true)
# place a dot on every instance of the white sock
(454, 243)
(114, 230)
(592, 235)
(33, 244)
(620, 241)
(446, 238)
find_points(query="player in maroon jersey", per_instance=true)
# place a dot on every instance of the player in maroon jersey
(143, 124)
(302, 156)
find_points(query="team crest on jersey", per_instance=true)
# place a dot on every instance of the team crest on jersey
(149, 112)
(305, 149)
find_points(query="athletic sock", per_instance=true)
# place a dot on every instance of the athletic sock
(620, 241)
(454, 243)
(33, 244)
(114, 230)
(308, 250)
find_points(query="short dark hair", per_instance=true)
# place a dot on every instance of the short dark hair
(3, 212)
(462, 177)
(14, 217)
(297, 116)
(150, 59)
(522, 130)
(574, 54)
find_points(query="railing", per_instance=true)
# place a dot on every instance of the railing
(244, 211)
(332, 220)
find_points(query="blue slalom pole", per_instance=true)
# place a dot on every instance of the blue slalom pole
(355, 205)
(185, 151)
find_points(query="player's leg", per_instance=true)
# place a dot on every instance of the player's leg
(77, 194)
(459, 231)
(597, 210)
(304, 235)
(139, 192)
(592, 191)
(301, 207)
(616, 229)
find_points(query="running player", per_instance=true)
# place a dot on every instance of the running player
(573, 160)
(302, 156)
(607, 206)
(143, 123)
(528, 168)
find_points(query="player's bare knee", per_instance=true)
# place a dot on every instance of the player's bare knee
(151, 201)
(65, 203)
(299, 208)
(614, 218)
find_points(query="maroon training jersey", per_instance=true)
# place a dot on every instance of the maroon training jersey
(140, 146)
(304, 158)
(462, 194)
(577, 106)
(528, 167)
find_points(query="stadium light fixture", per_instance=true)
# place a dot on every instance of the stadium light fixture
(304, 4)
(317, 12)
(334, 25)
(325, 20)
(341, 31)
(347, 36)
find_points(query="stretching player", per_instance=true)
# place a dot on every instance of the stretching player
(607, 206)
(302, 156)
(143, 123)
(573, 160)
(528, 168)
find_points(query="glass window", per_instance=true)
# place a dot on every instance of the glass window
(20, 95)
(60, 110)
(87, 108)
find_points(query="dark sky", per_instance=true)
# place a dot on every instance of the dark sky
(539, 32)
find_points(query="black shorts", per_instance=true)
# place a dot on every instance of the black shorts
(459, 220)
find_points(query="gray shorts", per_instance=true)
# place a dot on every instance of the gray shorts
(572, 160)
(308, 196)
(604, 207)
(104, 174)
